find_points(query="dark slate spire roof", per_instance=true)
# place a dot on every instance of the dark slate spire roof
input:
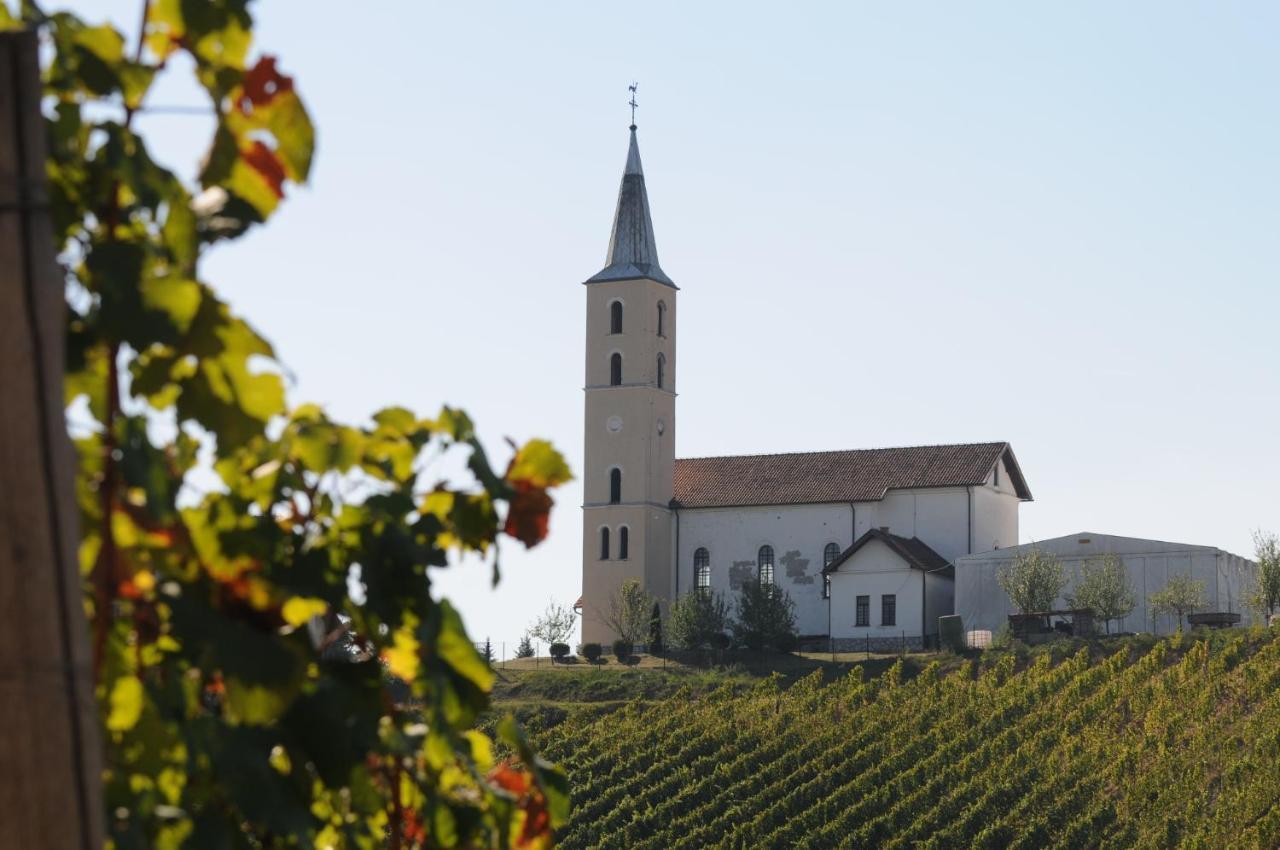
(633, 252)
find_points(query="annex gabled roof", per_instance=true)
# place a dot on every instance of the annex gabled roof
(860, 475)
(918, 554)
(633, 251)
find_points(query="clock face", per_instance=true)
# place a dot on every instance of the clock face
(662, 427)
(614, 424)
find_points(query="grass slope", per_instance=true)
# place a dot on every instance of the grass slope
(1116, 744)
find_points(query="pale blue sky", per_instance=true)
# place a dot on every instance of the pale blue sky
(892, 224)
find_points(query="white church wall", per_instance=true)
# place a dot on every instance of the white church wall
(995, 518)
(983, 604)
(873, 571)
(798, 535)
(939, 517)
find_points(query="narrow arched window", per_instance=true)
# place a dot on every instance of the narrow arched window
(662, 319)
(623, 534)
(615, 486)
(702, 568)
(615, 369)
(662, 370)
(615, 317)
(764, 564)
(604, 544)
(829, 554)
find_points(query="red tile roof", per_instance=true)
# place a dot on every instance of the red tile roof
(861, 475)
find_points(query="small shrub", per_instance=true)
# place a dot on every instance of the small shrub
(655, 630)
(559, 651)
(622, 649)
(592, 652)
(525, 650)
(1003, 638)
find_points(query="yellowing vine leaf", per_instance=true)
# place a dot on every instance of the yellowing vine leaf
(125, 704)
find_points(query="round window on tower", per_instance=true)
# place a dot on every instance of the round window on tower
(614, 424)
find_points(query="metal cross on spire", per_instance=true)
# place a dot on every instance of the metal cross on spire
(632, 103)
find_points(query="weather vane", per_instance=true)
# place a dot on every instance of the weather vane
(632, 103)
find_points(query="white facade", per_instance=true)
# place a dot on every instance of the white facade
(733, 537)
(995, 514)
(1228, 579)
(874, 572)
(951, 520)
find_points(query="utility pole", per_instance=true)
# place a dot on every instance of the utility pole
(50, 757)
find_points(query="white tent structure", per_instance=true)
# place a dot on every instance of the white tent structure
(1228, 579)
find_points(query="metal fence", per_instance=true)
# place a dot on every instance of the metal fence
(502, 654)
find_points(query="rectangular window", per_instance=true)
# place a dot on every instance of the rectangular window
(863, 612)
(889, 610)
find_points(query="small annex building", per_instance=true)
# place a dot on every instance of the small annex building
(885, 587)
(1228, 579)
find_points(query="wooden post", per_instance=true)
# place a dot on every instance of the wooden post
(50, 762)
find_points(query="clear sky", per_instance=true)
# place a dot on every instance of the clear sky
(893, 224)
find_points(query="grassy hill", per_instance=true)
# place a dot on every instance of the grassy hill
(1132, 743)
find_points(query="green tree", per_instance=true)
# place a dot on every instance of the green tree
(525, 649)
(765, 617)
(655, 630)
(1182, 595)
(555, 624)
(1104, 588)
(696, 618)
(628, 614)
(226, 723)
(1266, 596)
(1034, 580)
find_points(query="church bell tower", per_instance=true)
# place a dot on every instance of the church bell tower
(629, 460)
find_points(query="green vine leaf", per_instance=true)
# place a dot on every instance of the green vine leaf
(266, 644)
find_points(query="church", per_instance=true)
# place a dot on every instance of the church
(864, 541)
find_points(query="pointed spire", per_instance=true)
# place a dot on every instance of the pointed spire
(633, 252)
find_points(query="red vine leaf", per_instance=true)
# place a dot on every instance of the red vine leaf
(264, 161)
(528, 514)
(508, 778)
(262, 83)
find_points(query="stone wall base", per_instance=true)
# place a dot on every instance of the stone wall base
(911, 643)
